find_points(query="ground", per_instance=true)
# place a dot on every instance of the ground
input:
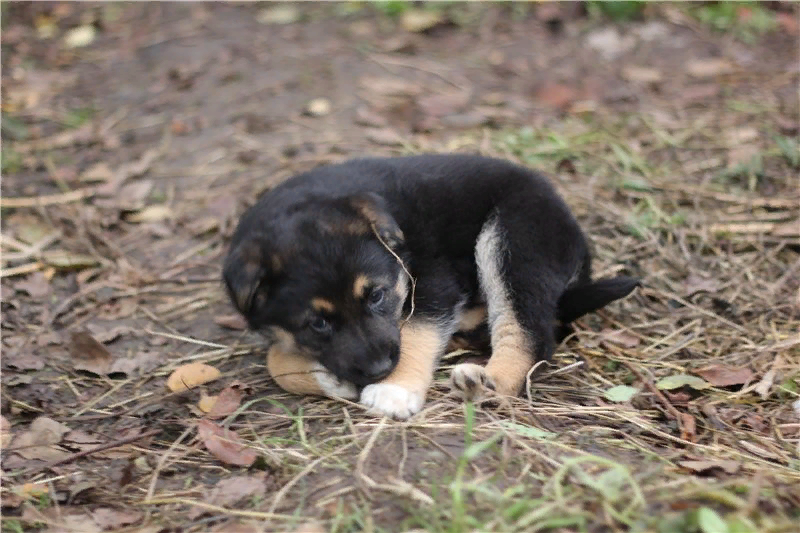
(135, 134)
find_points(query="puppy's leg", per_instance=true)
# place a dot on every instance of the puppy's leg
(512, 280)
(403, 393)
(300, 375)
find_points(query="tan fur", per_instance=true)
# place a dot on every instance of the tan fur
(511, 356)
(290, 370)
(322, 305)
(472, 318)
(359, 285)
(421, 343)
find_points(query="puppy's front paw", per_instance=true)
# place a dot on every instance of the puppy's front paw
(391, 400)
(332, 386)
(471, 381)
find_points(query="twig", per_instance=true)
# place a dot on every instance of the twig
(102, 447)
(48, 199)
(658, 394)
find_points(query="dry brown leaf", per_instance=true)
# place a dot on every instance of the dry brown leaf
(231, 491)
(695, 283)
(708, 68)
(688, 427)
(88, 354)
(439, 105)
(60, 519)
(151, 213)
(725, 376)
(641, 74)
(191, 375)
(226, 402)
(206, 402)
(225, 444)
(140, 364)
(234, 321)
(108, 518)
(384, 137)
(5, 432)
(620, 338)
(557, 95)
(731, 467)
(37, 442)
(24, 360)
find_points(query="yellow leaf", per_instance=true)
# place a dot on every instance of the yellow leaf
(191, 375)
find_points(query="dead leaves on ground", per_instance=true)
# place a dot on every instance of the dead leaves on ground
(191, 375)
(225, 444)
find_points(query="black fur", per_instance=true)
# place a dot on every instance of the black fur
(306, 238)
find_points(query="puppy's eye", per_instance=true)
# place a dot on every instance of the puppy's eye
(319, 324)
(376, 296)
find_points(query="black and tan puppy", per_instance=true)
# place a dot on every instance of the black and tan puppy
(331, 264)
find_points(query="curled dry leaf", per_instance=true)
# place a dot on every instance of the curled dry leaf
(234, 321)
(620, 338)
(88, 354)
(226, 402)
(225, 444)
(725, 376)
(191, 375)
(39, 440)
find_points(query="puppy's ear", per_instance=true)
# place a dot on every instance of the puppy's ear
(373, 209)
(243, 273)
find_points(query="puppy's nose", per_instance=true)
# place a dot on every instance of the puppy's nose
(378, 369)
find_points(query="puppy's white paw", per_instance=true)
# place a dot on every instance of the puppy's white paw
(391, 400)
(470, 381)
(332, 386)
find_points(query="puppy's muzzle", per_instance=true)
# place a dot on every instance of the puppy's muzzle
(377, 367)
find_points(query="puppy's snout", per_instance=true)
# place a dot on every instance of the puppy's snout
(378, 369)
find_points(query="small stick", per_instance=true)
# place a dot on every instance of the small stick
(663, 399)
(102, 447)
(50, 199)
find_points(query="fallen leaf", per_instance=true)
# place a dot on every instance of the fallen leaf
(279, 14)
(318, 107)
(708, 68)
(60, 518)
(765, 385)
(130, 197)
(36, 285)
(37, 442)
(439, 105)
(206, 402)
(737, 136)
(25, 360)
(528, 431)
(64, 260)
(700, 93)
(29, 229)
(105, 335)
(235, 321)
(710, 522)
(5, 432)
(226, 402)
(88, 354)
(695, 283)
(151, 213)
(420, 20)
(680, 380)
(80, 36)
(237, 527)
(788, 22)
(688, 427)
(725, 376)
(641, 74)
(366, 117)
(384, 137)
(99, 172)
(386, 86)
(191, 375)
(609, 42)
(225, 444)
(108, 518)
(557, 95)
(620, 393)
(731, 467)
(233, 490)
(620, 337)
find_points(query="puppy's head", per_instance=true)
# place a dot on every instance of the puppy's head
(321, 277)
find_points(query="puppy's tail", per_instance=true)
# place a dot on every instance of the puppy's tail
(580, 300)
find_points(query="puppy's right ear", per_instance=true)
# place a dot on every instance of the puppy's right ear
(243, 273)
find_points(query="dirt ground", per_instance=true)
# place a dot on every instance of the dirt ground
(134, 134)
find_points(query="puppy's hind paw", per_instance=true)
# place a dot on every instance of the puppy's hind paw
(471, 382)
(388, 399)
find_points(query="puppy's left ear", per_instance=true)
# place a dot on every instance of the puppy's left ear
(372, 207)
(243, 273)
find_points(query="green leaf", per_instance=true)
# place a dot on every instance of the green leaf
(710, 522)
(620, 393)
(679, 380)
(528, 431)
(478, 448)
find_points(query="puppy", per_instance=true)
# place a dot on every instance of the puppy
(361, 272)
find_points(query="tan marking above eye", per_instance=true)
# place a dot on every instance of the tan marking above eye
(360, 286)
(323, 305)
